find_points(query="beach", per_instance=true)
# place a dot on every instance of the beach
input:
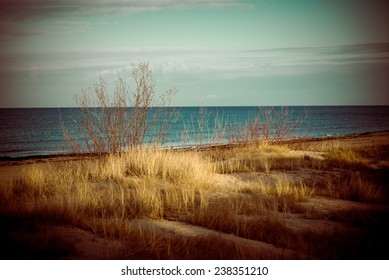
(319, 198)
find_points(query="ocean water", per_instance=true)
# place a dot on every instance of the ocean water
(36, 132)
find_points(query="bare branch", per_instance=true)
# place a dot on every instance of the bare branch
(124, 119)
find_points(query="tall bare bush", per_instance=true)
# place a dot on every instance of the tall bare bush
(124, 119)
(267, 124)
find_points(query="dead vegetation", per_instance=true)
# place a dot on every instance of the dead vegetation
(260, 197)
(321, 201)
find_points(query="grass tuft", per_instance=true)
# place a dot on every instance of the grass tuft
(246, 191)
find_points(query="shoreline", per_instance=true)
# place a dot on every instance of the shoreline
(8, 159)
(11, 168)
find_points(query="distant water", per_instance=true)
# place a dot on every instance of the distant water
(35, 132)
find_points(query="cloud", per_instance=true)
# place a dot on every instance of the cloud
(213, 72)
(7, 30)
(32, 9)
(18, 29)
(203, 62)
(18, 17)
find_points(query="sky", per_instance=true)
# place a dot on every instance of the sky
(214, 52)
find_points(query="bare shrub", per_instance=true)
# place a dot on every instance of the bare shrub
(197, 128)
(204, 128)
(268, 124)
(115, 122)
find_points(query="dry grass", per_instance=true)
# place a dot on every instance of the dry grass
(101, 194)
(148, 244)
(266, 183)
(356, 187)
(249, 158)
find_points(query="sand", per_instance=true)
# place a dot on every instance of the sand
(86, 244)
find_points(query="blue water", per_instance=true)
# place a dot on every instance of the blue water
(35, 132)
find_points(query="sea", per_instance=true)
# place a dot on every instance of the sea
(34, 132)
